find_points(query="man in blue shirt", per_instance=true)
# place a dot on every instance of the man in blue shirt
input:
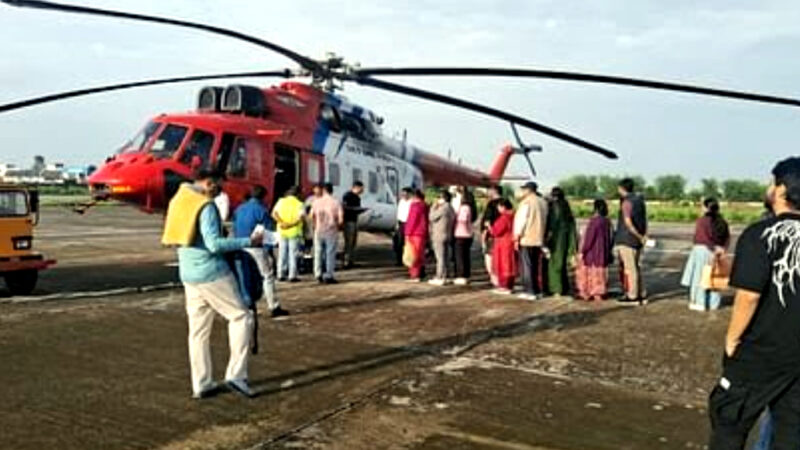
(246, 218)
(211, 288)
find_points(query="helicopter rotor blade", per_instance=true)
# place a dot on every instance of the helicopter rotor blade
(521, 121)
(134, 84)
(580, 77)
(304, 61)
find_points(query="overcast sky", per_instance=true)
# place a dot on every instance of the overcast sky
(748, 45)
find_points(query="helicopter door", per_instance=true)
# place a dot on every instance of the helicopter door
(287, 169)
(241, 161)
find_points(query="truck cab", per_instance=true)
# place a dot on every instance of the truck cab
(19, 263)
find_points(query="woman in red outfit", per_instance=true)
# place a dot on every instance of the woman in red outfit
(416, 233)
(504, 254)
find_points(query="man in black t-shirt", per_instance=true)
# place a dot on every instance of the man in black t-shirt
(351, 202)
(761, 364)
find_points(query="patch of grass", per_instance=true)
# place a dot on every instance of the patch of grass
(680, 212)
(64, 190)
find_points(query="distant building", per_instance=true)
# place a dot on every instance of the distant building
(49, 174)
(4, 168)
(52, 174)
(16, 175)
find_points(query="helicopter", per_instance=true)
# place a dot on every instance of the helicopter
(301, 133)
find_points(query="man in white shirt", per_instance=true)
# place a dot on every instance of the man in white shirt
(399, 239)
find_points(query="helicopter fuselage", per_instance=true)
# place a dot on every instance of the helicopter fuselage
(301, 136)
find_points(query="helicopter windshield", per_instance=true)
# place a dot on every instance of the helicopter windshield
(136, 144)
(168, 141)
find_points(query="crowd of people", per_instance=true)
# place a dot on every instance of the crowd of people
(217, 277)
(537, 242)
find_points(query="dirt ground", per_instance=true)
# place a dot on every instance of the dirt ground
(97, 358)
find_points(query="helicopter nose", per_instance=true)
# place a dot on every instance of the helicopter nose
(121, 181)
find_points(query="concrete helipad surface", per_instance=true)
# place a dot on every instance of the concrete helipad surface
(96, 358)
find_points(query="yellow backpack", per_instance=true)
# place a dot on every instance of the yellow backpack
(180, 225)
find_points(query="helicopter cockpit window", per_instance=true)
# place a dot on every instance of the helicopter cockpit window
(199, 147)
(138, 142)
(237, 166)
(168, 141)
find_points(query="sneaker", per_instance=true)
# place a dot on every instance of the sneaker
(279, 312)
(414, 280)
(330, 281)
(320, 280)
(528, 297)
(241, 387)
(210, 391)
(436, 282)
(501, 291)
(282, 279)
(461, 282)
(695, 307)
(627, 302)
(294, 280)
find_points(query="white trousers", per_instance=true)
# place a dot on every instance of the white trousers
(202, 301)
(264, 261)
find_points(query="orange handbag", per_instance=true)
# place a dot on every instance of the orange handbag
(716, 275)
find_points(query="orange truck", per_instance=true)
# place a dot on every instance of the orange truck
(19, 263)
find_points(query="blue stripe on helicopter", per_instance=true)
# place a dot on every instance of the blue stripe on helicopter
(322, 132)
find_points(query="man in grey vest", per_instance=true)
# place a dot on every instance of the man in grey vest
(629, 241)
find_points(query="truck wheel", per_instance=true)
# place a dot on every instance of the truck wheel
(21, 282)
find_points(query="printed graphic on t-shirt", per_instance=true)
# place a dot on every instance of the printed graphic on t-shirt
(783, 241)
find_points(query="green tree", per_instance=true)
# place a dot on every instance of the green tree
(710, 188)
(696, 195)
(670, 187)
(639, 182)
(607, 185)
(743, 191)
(580, 186)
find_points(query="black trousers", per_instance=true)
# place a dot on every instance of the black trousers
(350, 232)
(735, 407)
(463, 254)
(398, 242)
(533, 270)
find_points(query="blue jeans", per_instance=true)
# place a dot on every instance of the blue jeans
(693, 277)
(325, 248)
(765, 433)
(287, 257)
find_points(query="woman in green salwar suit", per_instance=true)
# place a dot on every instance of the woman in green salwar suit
(562, 242)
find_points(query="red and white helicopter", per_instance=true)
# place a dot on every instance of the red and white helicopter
(300, 134)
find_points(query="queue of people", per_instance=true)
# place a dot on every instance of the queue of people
(538, 243)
